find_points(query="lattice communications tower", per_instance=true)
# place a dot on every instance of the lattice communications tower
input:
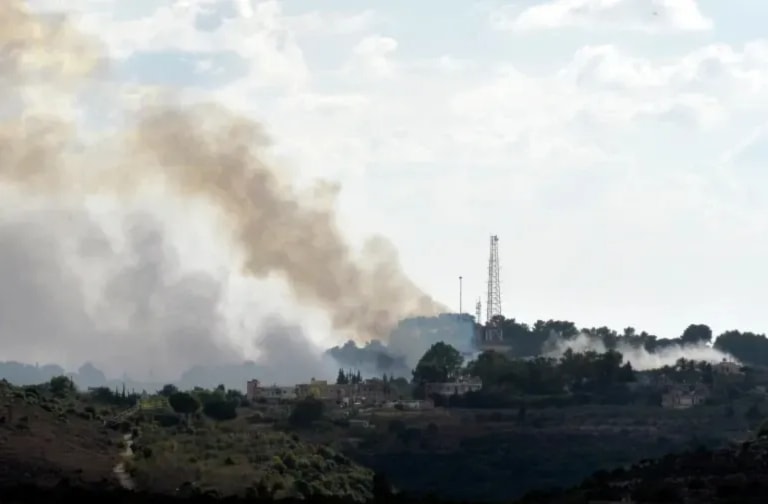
(493, 303)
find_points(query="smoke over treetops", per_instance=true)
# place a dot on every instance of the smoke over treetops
(640, 358)
(196, 153)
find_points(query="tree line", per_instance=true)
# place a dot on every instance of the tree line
(531, 340)
(576, 378)
(587, 372)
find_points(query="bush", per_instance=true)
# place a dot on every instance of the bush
(306, 412)
(167, 420)
(61, 386)
(220, 410)
(184, 403)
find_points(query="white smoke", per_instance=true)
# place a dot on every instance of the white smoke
(640, 358)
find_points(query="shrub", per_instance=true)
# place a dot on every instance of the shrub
(306, 412)
(167, 420)
(220, 410)
(184, 403)
(61, 386)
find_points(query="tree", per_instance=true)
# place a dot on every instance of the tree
(490, 367)
(306, 412)
(220, 410)
(696, 334)
(168, 390)
(341, 379)
(747, 347)
(441, 363)
(61, 386)
(184, 403)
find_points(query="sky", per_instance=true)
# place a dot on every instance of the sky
(614, 146)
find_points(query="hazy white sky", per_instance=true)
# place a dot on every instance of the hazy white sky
(615, 146)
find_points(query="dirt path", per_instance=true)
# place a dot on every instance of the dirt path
(122, 475)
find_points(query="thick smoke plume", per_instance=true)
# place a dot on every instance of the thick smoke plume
(202, 153)
(640, 358)
(146, 314)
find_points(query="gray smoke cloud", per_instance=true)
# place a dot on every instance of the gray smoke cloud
(147, 316)
(148, 311)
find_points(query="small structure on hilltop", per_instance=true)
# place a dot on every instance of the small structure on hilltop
(727, 367)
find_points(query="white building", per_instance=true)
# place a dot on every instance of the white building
(683, 399)
(254, 391)
(454, 388)
(727, 368)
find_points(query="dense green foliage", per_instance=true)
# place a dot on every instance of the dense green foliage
(306, 411)
(348, 377)
(532, 340)
(440, 363)
(184, 403)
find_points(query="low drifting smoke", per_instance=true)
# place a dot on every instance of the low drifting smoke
(640, 358)
(143, 310)
(69, 293)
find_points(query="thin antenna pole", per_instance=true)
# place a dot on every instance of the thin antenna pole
(461, 296)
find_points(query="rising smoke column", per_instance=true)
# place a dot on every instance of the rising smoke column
(202, 152)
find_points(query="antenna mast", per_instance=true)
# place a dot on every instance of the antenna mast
(493, 303)
(478, 310)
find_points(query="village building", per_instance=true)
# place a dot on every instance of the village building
(684, 397)
(368, 392)
(255, 391)
(411, 405)
(457, 388)
(728, 368)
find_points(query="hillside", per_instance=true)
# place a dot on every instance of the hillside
(500, 455)
(736, 474)
(44, 439)
(51, 435)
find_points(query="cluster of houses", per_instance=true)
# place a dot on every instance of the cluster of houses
(683, 396)
(367, 393)
(379, 393)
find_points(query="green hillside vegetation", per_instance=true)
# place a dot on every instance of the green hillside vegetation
(536, 424)
(52, 432)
